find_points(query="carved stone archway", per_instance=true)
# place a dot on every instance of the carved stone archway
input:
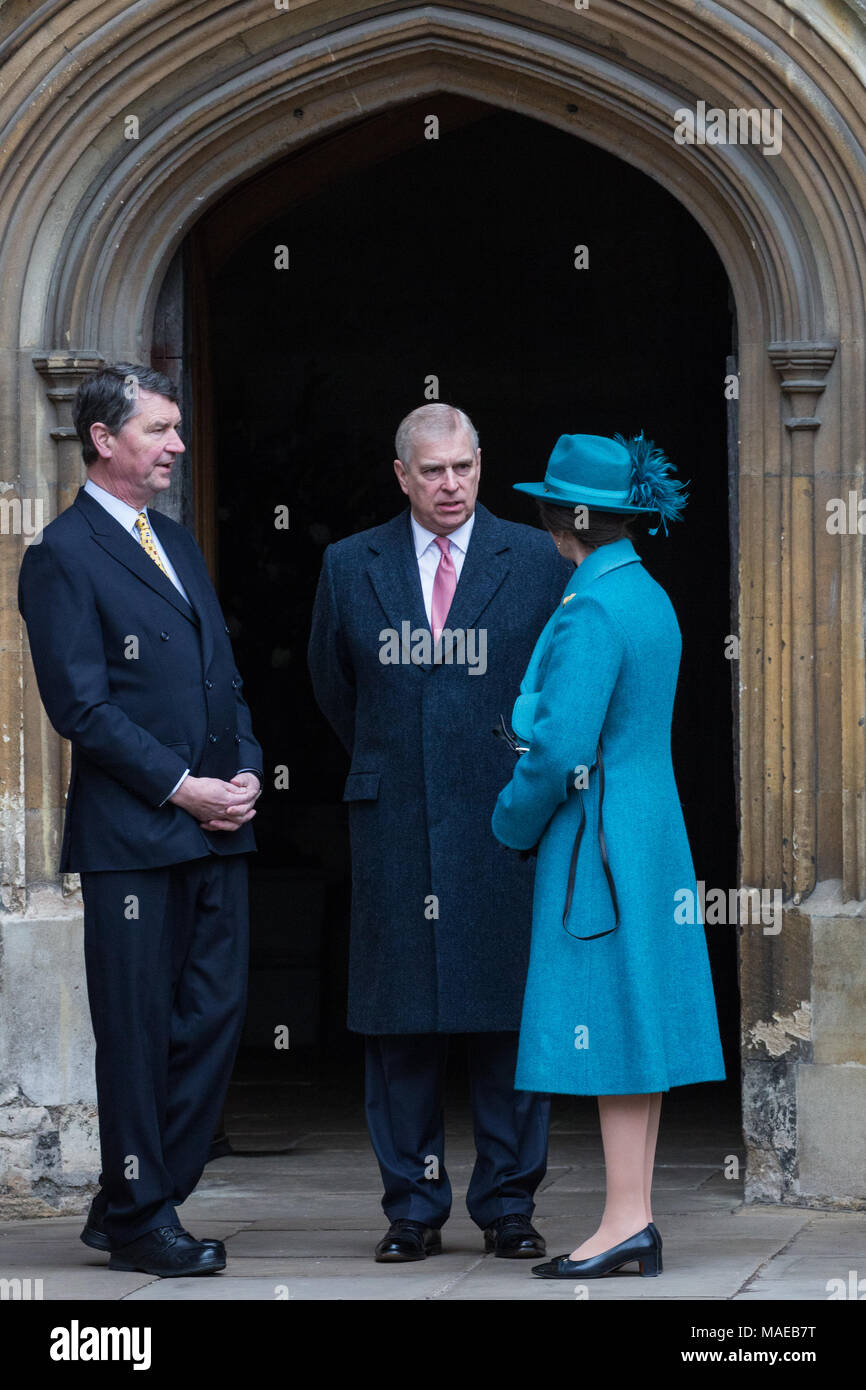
(91, 220)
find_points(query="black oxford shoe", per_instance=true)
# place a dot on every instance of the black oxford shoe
(167, 1253)
(642, 1248)
(94, 1236)
(513, 1237)
(408, 1240)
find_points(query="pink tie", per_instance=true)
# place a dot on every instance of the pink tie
(444, 584)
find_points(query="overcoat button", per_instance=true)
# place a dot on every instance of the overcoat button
(228, 631)
(237, 738)
(208, 685)
(235, 684)
(165, 636)
(212, 738)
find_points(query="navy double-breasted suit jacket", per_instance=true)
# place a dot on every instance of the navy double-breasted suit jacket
(440, 911)
(142, 683)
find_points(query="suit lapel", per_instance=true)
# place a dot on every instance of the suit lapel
(120, 545)
(197, 586)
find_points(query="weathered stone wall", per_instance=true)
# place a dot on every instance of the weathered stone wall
(49, 1140)
(804, 1059)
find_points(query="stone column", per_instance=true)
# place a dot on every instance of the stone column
(803, 1048)
(802, 368)
(48, 1130)
(47, 767)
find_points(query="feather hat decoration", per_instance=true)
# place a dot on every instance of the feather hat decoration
(652, 487)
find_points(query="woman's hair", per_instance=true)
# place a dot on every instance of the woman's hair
(601, 527)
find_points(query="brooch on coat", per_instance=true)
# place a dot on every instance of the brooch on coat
(568, 599)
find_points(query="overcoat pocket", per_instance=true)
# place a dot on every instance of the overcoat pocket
(361, 786)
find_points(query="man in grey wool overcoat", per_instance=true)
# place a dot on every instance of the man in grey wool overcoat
(421, 631)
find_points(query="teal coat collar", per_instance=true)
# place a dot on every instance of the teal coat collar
(599, 562)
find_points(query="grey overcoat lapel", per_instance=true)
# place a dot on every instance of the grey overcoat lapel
(393, 572)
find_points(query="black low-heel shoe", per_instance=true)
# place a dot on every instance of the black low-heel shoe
(642, 1247)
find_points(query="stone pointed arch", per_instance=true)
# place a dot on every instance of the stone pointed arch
(91, 220)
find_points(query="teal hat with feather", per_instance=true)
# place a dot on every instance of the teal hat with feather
(611, 475)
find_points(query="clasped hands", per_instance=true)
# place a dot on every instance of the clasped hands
(218, 805)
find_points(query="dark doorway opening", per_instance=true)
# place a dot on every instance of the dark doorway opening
(409, 259)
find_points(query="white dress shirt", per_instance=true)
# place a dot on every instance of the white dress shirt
(127, 516)
(428, 555)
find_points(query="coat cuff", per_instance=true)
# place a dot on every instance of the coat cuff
(179, 783)
(508, 834)
(258, 772)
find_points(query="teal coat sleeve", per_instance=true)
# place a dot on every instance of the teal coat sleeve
(584, 658)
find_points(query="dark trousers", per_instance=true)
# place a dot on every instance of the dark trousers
(166, 953)
(405, 1080)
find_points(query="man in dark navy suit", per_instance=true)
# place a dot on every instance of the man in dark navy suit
(421, 632)
(135, 667)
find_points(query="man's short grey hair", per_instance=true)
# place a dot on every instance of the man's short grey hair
(433, 421)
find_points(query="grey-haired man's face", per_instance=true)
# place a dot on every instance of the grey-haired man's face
(441, 480)
(136, 462)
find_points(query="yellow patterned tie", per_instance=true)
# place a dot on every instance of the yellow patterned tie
(147, 542)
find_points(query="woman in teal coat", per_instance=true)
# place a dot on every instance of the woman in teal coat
(619, 997)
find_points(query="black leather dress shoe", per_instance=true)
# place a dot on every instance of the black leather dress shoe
(513, 1237)
(94, 1236)
(408, 1240)
(657, 1233)
(167, 1253)
(642, 1248)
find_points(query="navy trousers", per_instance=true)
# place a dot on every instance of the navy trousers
(166, 953)
(405, 1081)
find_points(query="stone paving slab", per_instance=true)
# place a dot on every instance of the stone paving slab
(751, 1254)
(294, 1166)
(424, 1281)
(37, 1229)
(353, 1209)
(314, 1141)
(705, 1258)
(701, 1263)
(309, 1244)
(66, 1275)
(590, 1178)
(829, 1246)
(666, 1202)
(301, 1225)
(371, 1218)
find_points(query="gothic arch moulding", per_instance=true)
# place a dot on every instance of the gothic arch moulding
(220, 90)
